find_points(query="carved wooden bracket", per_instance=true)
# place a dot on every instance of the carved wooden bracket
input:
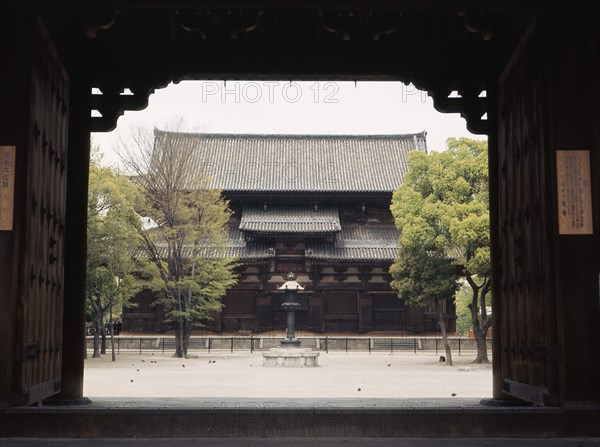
(470, 104)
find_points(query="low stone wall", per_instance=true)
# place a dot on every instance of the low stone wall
(321, 343)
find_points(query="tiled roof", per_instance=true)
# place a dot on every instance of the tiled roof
(236, 247)
(353, 243)
(290, 220)
(239, 248)
(359, 243)
(307, 163)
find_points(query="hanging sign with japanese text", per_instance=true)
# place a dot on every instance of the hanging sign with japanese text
(574, 192)
(7, 187)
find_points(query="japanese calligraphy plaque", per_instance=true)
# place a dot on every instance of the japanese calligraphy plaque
(7, 187)
(574, 192)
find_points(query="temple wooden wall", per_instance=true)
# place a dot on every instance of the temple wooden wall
(548, 279)
(574, 117)
(336, 300)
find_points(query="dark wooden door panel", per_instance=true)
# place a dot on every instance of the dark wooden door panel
(41, 275)
(527, 293)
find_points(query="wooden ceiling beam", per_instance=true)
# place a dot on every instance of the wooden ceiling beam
(494, 6)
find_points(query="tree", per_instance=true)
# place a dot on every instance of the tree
(445, 197)
(423, 273)
(188, 242)
(423, 278)
(111, 241)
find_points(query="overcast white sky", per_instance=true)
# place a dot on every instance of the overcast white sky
(278, 107)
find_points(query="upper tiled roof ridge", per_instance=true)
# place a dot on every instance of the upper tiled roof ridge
(273, 136)
(297, 163)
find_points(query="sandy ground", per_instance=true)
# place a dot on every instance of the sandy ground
(340, 375)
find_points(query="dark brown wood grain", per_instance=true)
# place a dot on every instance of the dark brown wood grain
(38, 338)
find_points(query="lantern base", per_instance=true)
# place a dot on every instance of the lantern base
(291, 357)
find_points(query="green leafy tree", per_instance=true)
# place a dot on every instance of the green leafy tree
(445, 197)
(112, 239)
(188, 241)
(423, 273)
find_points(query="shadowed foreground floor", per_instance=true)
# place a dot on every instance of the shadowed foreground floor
(351, 400)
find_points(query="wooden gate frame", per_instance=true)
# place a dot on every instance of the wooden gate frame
(556, 362)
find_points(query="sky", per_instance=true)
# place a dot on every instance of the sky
(283, 107)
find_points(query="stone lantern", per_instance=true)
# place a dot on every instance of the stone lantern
(290, 354)
(291, 305)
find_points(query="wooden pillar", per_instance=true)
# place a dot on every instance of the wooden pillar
(15, 43)
(76, 241)
(496, 302)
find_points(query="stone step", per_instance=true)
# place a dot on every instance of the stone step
(193, 418)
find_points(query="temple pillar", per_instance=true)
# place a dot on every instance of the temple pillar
(78, 160)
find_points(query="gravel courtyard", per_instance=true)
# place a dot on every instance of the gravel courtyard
(339, 375)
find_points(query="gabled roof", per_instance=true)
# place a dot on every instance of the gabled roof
(359, 243)
(299, 163)
(290, 220)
